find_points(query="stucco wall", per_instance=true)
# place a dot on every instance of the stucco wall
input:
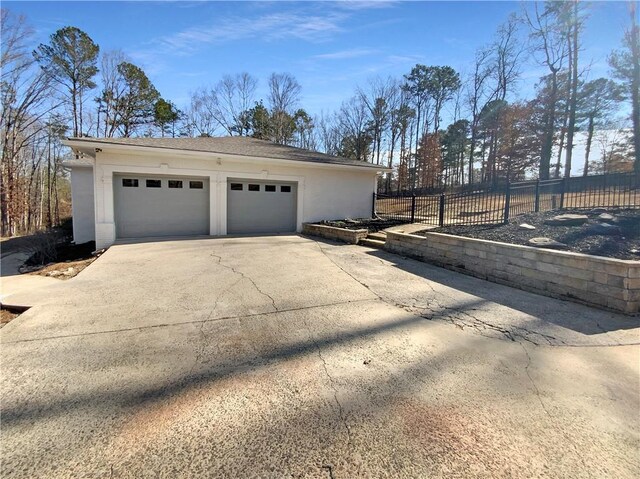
(82, 204)
(324, 191)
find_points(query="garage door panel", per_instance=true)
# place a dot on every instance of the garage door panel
(144, 211)
(258, 206)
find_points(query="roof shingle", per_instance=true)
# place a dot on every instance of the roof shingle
(233, 145)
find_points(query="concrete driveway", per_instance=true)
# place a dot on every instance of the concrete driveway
(285, 357)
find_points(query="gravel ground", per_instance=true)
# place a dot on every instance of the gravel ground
(372, 224)
(577, 238)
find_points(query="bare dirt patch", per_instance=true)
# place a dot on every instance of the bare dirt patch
(579, 239)
(6, 316)
(51, 252)
(65, 270)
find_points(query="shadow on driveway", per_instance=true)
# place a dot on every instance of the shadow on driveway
(574, 316)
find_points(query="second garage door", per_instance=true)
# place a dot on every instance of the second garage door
(258, 206)
(147, 206)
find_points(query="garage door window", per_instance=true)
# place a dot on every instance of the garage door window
(196, 185)
(270, 188)
(254, 187)
(285, 189)
(154, 183)
(236, 186)
(129, 182)
(175, 184)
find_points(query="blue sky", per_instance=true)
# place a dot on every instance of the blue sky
(330, 47)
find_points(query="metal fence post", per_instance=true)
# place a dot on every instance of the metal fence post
(536, 207)
(562, 192)
(441, 211)
(413, 208)
(373, 206)
(507, 203)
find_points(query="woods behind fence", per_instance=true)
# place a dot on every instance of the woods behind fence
(493, 205)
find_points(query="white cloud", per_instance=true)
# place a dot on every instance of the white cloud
(275, 26)
(364, 5)
(345, 54)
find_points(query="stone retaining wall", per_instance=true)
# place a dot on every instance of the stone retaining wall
(603, 282)
(333, 233)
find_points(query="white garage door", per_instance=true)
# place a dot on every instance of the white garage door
(258, 206)
(147, 206)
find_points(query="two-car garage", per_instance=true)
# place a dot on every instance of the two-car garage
(158, 205)
(125, 188)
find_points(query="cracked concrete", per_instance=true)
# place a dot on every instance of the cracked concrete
(290, 357)
(244, 276)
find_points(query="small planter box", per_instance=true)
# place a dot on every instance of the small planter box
(603, 282)
(333, 233)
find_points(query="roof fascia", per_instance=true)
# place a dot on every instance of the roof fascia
(91, 148)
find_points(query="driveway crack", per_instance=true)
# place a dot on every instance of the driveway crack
(560, 429)
(248, 278)
(341, 412)
(349, 274)
(201, 347)
(533, 383)
(335, 395)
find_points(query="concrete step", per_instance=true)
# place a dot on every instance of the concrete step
(378, 236)
(372, 243)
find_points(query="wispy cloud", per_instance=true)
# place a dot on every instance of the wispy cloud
(364, 4)
(345, 54)
(308, 22)
(274, 26)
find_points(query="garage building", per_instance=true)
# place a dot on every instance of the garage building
(124, 188)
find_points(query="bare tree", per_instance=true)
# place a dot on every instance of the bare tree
(505, 64)
(284, 96)
(355, 140)
(377, 98)
(327, 133)
(201, 120)
(233, 96)
(477, 97)
(25, 103)
(112, 90)
(549, 40)
(507, 55)
(626, 67)
(574, 24)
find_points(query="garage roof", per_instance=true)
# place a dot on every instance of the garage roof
(231, 145)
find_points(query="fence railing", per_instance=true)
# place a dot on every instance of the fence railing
(496, 205)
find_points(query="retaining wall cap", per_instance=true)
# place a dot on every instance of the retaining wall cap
(567, 254)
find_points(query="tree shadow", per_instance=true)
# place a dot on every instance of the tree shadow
(576, 317)
(129, 410)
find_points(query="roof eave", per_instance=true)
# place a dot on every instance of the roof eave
(91, 148)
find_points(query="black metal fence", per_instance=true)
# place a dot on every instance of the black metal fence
(486, 205)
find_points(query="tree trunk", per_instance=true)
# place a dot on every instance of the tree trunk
(74, 108)
(472, 148)
(635, 85)
(588, 148)
(574, 91)
(550, 122)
